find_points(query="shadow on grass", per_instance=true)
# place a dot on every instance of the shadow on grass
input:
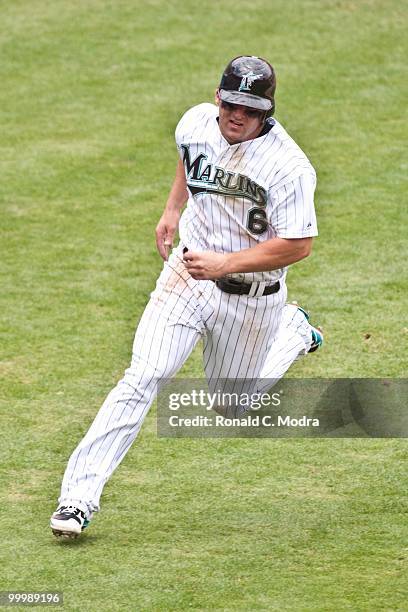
(82, 540)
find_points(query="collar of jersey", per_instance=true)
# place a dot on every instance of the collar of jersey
(269, 124)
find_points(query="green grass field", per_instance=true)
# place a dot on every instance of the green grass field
(89, 99)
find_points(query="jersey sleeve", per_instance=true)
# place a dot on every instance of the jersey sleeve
(193, 119)
(293, 213)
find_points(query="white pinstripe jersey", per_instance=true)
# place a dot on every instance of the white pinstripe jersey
(242, 194)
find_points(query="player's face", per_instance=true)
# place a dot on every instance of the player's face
(239, 123)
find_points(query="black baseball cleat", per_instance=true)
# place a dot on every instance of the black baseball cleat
(68, 522)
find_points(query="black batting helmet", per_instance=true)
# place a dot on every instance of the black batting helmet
(250, 81)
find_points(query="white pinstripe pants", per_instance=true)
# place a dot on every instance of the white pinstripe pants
(238, 333)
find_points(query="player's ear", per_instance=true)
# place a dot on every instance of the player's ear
(217, 97)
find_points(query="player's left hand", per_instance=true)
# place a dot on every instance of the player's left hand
(206, 265)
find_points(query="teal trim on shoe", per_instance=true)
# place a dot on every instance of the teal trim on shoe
(307, 315)
(317, 339)
(86, 523)
(317, 335)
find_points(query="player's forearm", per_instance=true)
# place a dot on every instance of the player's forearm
(269, 255)
(178, 193)
(168, 223)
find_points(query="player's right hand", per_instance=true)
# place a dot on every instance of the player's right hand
(165, 231)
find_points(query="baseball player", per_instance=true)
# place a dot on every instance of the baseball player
(250, 214)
